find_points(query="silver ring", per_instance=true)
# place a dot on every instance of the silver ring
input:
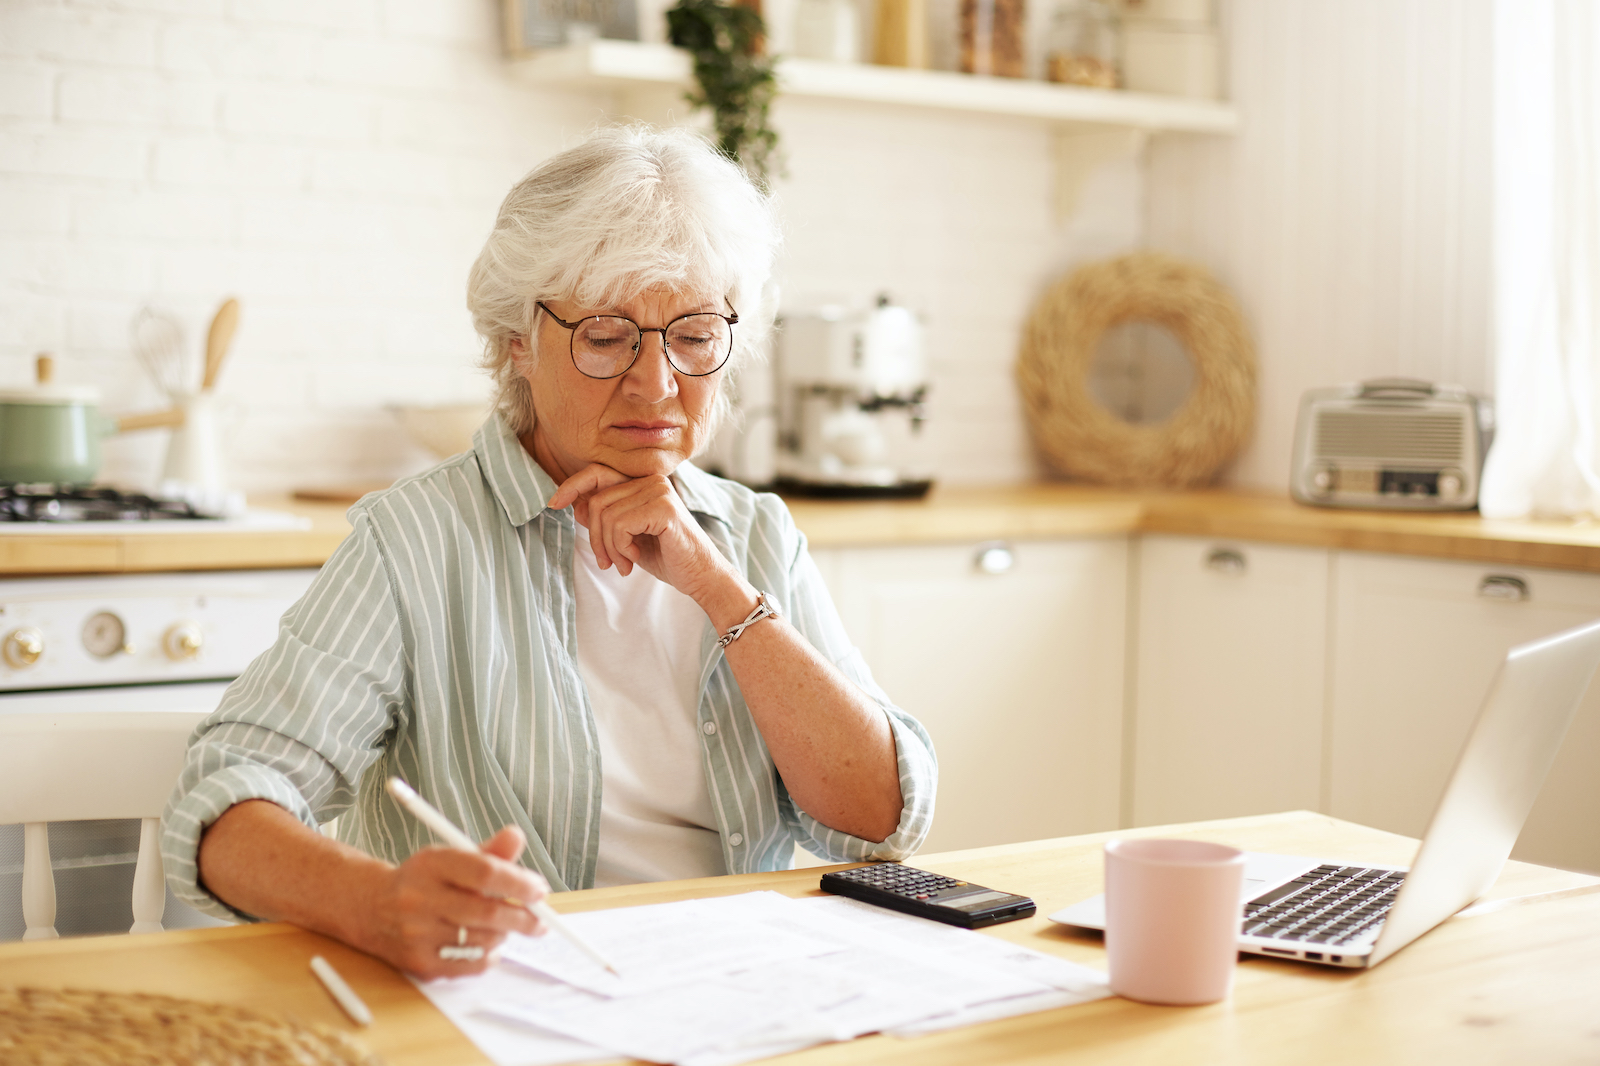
(461, 951)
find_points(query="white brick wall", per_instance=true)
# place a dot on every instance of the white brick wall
(1352, 212)
(336, 165)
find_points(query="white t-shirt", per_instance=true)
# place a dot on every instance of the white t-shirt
(639, 654)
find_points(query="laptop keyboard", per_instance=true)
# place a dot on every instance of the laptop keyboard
(1329, 905)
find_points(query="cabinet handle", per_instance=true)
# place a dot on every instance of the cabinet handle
(995, 557)
(1504, 587)
(1226, 561)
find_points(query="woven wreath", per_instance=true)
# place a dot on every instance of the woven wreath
(1077, 434)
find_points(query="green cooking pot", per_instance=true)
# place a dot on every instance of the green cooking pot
(51, 433)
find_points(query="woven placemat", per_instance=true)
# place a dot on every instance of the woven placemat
(66, 1027)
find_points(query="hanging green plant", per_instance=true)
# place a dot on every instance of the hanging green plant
(734, 78)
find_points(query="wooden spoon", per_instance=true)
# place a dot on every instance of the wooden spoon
(217, 341)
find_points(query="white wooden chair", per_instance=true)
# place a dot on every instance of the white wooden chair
(70, 767)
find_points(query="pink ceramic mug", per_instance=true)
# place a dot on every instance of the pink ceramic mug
(1172, 919)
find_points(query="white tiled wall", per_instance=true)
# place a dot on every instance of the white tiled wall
(955, 217)
(1352, 212)
(336, 165)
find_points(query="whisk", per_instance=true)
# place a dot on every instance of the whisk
(158, 342)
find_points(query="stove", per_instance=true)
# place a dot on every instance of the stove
(122, 643)
(56, 510)
(78, 503)
(100, 630)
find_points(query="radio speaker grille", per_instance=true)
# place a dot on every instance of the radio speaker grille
(1398, 436)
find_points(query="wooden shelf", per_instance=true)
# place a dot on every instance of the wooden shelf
(605, 64)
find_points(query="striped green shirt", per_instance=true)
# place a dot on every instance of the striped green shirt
(439, 643)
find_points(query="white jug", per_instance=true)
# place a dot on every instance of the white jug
(194, 452)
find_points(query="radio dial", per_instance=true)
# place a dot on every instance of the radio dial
(1322, 481)
(183, 641)
(23, 647)
(1450, 484)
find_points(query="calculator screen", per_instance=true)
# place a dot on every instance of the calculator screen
(966, 903)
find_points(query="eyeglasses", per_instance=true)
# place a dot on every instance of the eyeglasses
(607, 346)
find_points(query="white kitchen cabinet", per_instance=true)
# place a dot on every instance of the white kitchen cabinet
(1018, 676)
(1416, 646)
(1229, 688)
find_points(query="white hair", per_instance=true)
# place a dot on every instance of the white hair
(632, 208)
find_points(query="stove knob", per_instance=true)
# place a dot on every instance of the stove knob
(23, 647)
(183, 641)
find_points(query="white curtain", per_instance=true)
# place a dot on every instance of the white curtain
(1546, 457)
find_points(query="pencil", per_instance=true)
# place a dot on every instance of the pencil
(342, 993)
(425, 813)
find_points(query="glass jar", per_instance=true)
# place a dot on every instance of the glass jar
(1082, 46)
(827, 29)
(1170, 47)
(991, 37)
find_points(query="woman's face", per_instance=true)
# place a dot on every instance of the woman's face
(646, 421)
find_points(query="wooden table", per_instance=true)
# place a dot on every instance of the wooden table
(1521, 984)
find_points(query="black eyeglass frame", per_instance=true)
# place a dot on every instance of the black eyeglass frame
(572, 335)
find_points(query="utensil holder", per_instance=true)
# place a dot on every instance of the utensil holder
(194, 451)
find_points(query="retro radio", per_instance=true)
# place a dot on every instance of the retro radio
(1391, 443)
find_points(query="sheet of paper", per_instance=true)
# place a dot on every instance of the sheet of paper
(778, 1004)
(662, 1025)
(461, 1000)
(721, 982)
(663, 945)
(953, 945)
(1003, 1008)
(747, 1053)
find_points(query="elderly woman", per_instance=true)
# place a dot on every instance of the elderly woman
(604, 663)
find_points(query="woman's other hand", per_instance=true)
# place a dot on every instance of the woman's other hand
(440, 891)
(262, 860)
(642, 521)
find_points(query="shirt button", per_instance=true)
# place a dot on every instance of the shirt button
(734, 839)
(708, 728)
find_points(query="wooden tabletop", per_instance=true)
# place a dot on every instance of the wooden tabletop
(1520, 984)
(950, 515)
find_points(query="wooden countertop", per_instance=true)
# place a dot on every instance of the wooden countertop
(949, 515)
(107, 550)
(963, 514)
(1512, 985)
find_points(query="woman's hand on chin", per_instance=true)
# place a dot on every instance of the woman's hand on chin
(641, 521)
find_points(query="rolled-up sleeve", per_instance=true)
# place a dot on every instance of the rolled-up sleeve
(304, 720)
(814, 615)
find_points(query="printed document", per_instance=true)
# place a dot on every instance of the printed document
(717, 982)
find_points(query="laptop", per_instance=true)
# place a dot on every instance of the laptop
(1356, 916)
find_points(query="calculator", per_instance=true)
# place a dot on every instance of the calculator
(928, 895)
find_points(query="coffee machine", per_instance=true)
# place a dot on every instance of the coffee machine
(850, 393)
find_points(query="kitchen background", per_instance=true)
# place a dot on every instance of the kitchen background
(336, 166)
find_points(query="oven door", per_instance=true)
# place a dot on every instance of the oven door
(93, 860)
